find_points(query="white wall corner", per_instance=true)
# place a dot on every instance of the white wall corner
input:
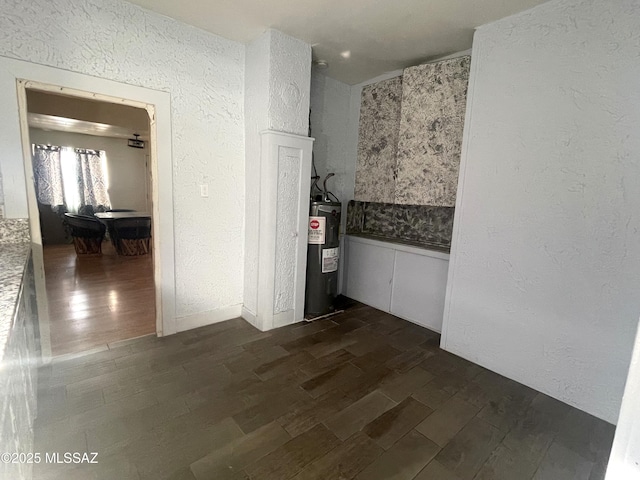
(624, 461)
(250, 317)
(256, 115)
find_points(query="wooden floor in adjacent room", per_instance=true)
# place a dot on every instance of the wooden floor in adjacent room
(96, 300)
(362, 395)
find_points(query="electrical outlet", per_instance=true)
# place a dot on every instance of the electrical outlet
(204, 190)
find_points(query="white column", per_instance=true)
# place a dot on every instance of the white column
(277, 172)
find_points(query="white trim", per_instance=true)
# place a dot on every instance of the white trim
(210, 317)
(400, 247)
(249, 316)
(267, 228)
(16, 174)
(42, 300)
(459, 209)
(304, 181)
(292, 136)
(283, 319)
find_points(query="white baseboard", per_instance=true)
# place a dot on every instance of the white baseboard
(278, 320)
(207, 318)
(250, 317)
(284, 318)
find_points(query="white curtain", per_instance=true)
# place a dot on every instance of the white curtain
(74, 178)
(47, 172)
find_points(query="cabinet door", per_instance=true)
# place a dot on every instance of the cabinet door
(419, 286)
(369, 274)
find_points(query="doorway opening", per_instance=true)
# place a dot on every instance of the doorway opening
(100, 287)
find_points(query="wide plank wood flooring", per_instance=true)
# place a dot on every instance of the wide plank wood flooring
(363, 395)
(96, 300)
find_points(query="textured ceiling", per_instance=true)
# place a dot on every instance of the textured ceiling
(380, 35)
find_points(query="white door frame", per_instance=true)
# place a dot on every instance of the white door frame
(25, 75)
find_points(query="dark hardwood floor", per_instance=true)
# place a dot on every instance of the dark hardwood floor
(364, 395)
(95, 300)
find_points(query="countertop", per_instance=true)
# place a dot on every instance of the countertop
(426, 246)
(13, 259)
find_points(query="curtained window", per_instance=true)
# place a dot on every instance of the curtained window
(71, 179)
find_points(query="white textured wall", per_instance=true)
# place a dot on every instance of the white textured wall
(277, 85)
(204, 75)
(545, 261)
(125, 165)
(330, 116)
(289, 84)
(335, 111)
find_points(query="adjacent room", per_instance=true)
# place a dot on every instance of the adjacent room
(99, 289)
(317, 240)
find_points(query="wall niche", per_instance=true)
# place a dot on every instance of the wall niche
(409, 147)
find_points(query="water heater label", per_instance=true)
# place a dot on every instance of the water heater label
(330, 258)
(317, 230)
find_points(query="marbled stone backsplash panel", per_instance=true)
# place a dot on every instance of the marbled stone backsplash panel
(378, 141)
(424, 225)
(434, 98)
(14, 230)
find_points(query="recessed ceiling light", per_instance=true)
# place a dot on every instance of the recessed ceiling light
(346, 54)
(321, 64)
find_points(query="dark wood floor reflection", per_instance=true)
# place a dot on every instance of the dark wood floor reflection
(364, 395)
(96, 300)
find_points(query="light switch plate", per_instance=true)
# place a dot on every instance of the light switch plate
(204, 190)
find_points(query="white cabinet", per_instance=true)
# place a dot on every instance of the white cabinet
(409, 282)
(369, 273)
(419, 287)
(276, 242)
